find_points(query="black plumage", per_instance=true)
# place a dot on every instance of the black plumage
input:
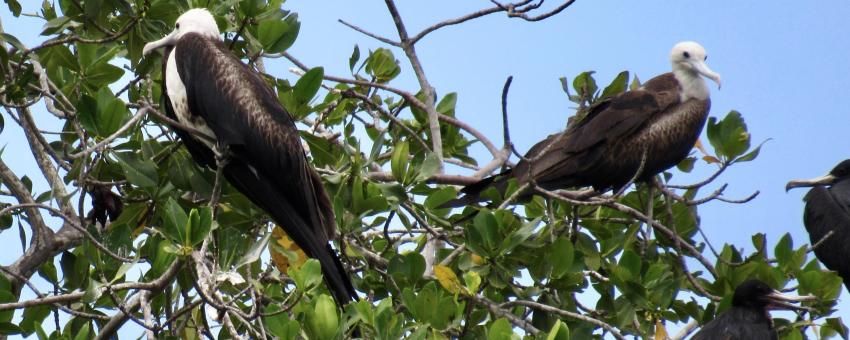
(659, 122)
(828, 211)
(226, 100)
(748, 319)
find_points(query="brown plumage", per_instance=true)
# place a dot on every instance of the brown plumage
(209, 89)
(661, 120)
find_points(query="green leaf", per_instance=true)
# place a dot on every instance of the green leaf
(447, 104)
(278, 35)
(111, 112)
(9, 328)
(55, 25)
(519, 236)
(429, 167)
(382, 65)
(783, 249)
(559, 331)
(280, 325)
(752, 154)
(585, 85)
(176, 222)
(93, 291)
(483, 237)
(309, 84)
(308, 275)
(32, 318)
(501, 329)
(617, 86)
(355, 56)
(138, 172)
(322, 320)
(12, 40)
(201, 226)
(83, 332)
(14, 7)
(398, 162)
(407, 269)
(562, 257)
(729, 137)
(631, 262)
(102, 74)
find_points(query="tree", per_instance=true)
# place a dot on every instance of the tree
(382, 150)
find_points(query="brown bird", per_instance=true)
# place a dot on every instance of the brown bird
(206, 87)
(656, 124)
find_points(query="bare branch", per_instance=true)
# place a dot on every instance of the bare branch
(561, 312)
(424, 85)
(370, 34)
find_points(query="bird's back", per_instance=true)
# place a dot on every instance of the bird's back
(828, 210)
(738, 323)
(259, 128)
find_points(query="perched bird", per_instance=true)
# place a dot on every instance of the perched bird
(828, 211)
(658, 122)
(245, 127)
(748, 318)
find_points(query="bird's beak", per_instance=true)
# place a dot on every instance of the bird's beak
(823, 180)
(703, 69)
(166, 41)
(778, 300)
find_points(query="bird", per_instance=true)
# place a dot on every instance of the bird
(656, 125)
(105, 204)
(828, 211)
(239, 123)
(749, 318)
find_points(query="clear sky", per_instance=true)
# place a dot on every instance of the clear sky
(785, 67)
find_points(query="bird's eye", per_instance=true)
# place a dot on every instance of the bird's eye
(177, 26)
(686, 55)
(705, 59)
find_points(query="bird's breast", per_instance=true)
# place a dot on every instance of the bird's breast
(180, 100)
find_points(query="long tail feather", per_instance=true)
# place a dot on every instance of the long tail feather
(301, 232)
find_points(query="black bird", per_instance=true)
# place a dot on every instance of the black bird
(748, 318)
(661, 120)
(206, 87)
(828, 210)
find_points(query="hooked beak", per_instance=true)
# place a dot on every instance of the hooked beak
(777, 300)
(823, 180)
(166, 41)
(703, 69)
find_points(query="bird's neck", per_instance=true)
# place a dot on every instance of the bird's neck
(693, 86)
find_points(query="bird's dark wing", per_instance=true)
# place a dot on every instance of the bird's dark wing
(267, 164)
(828, 209)
(608, 121)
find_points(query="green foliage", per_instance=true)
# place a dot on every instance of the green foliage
(374, 150)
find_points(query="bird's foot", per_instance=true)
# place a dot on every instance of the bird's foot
(222, 154)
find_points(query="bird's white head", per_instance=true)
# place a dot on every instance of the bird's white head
(688, 59)
(197, 20)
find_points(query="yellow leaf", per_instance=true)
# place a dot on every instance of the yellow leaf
(477, 259)
(660, 331)
(699, 147)
(447, 278)
(710, 159)
(284, 251)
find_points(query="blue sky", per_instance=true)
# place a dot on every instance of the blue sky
(785, 67)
